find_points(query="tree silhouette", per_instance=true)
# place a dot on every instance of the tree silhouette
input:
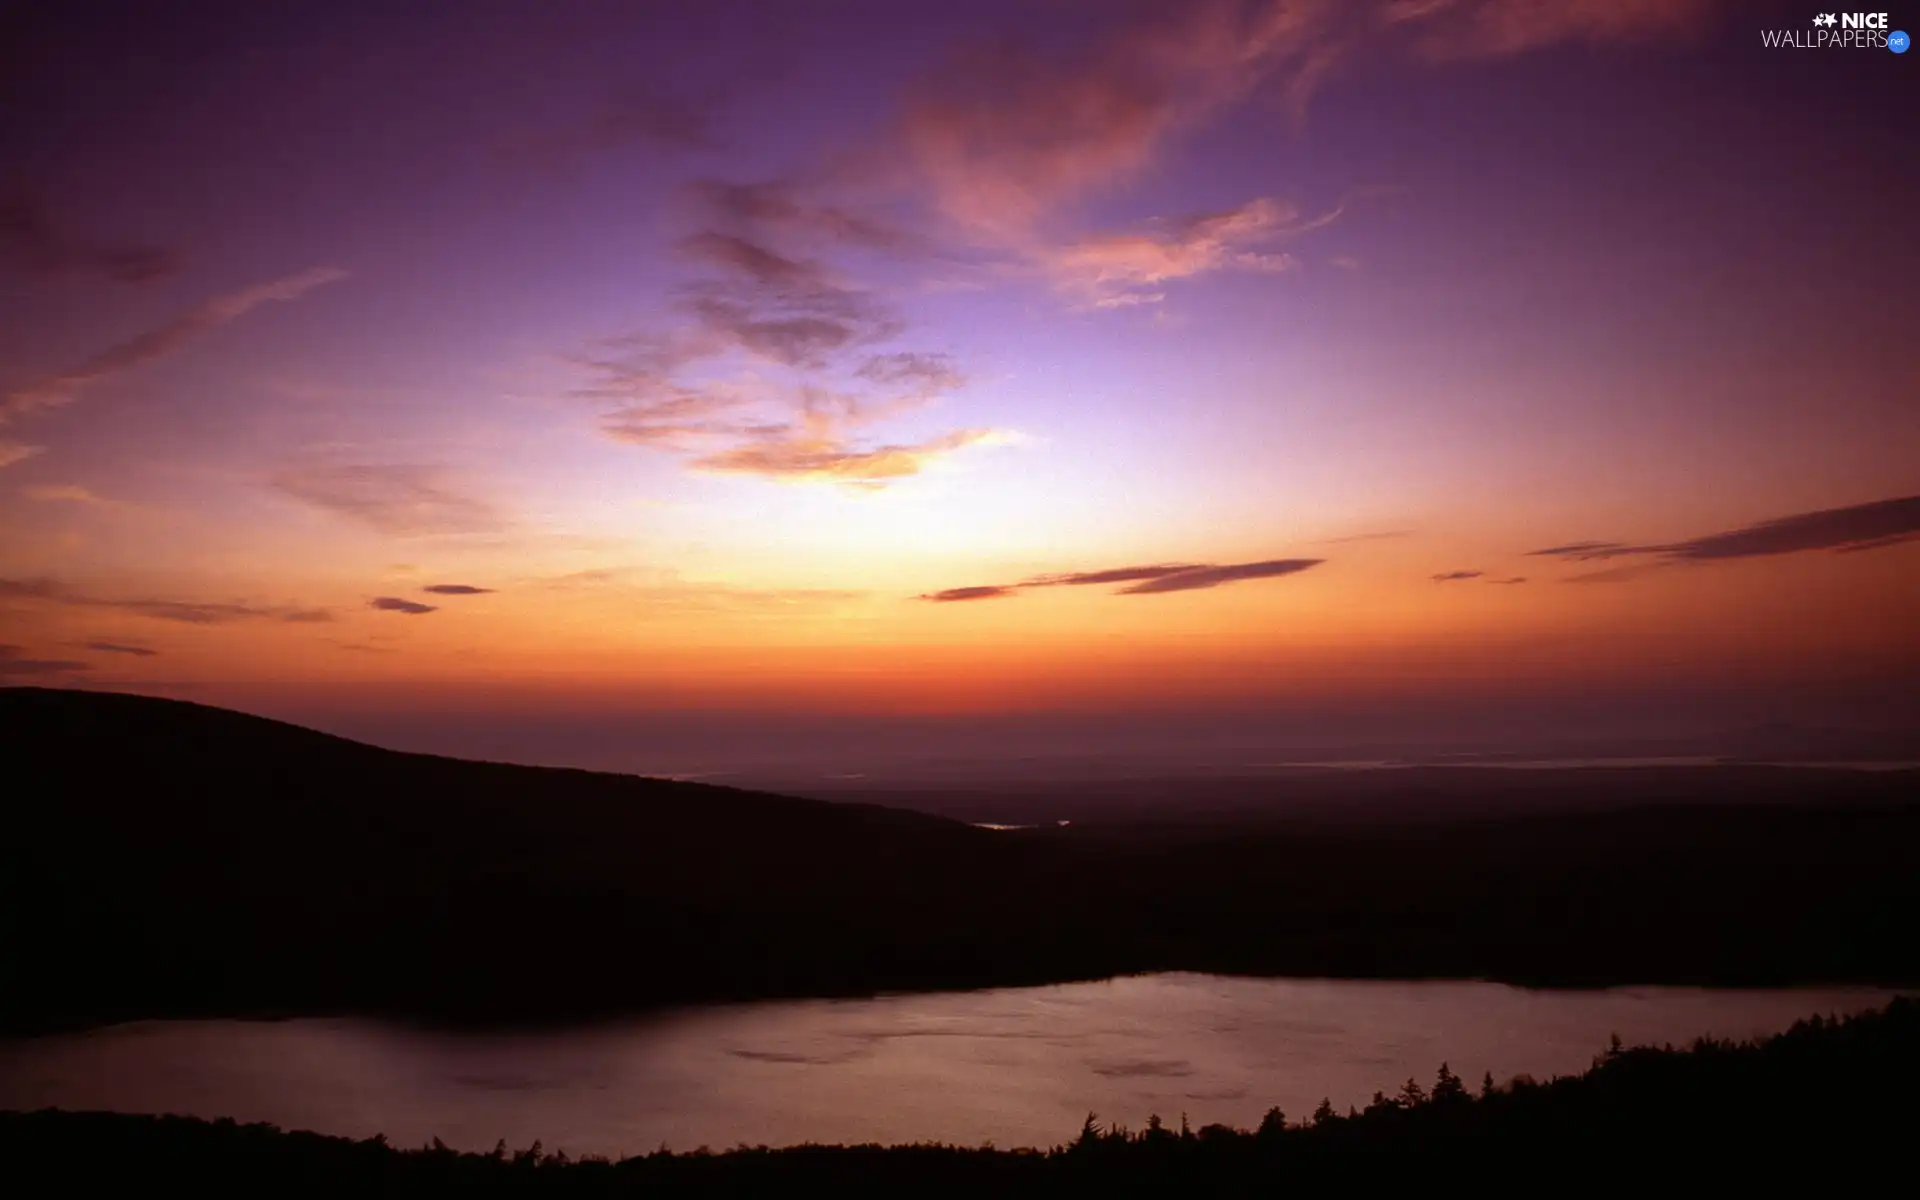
(1089, 1132)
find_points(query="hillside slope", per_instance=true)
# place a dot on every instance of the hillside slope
(170, 859)
(200, 858)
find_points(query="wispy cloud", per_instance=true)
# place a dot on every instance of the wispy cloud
(777, 369)
(13, 452)
(1111, 575)
(122, 648)
(1583, 551)
(1146, 580)
(34, 242)
(399, 500)
(912, 375)
(953, 595)
(62, 493)
(1858, 527)
(782, 310)
(396, 604)
(186, 612)
(62, 387)
(733, 253)
(1117, 269)
(1509, 580)
(803, 455)
(1003, 136)
(993, 152)
(664, 593)
(456, 589)
(14, 662)
(1384, 535)
(191, 612)
(1452, 576)
(783, 209)
(1214, 576)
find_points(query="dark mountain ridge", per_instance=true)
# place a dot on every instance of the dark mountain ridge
(163, 858)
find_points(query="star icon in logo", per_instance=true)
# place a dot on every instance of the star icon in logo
(1827, 19)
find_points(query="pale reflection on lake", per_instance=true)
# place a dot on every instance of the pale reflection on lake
(1017, 1067)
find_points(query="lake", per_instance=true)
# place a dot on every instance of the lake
(1012, 1066)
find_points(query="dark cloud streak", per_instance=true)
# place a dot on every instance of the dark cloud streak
(1871, 526)
(984, 592)
(119, 648)
(184, 612)
(412, 608)
(1860, 527)
(1583, 551)
(1114, 575)
(1210, 577)
(1149, 580)
(12, 663)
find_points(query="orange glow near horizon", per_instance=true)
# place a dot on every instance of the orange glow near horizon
(707, 412)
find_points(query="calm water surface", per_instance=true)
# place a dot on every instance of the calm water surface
(1017, 1066)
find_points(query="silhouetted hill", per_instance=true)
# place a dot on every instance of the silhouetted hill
(194, 858)
(1826, 1108)
(165, 858)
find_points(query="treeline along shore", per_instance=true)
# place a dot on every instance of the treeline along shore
(1826, 1108)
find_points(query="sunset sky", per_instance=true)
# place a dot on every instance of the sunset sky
(640, 384)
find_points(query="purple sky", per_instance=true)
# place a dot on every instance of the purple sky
(1066, 367)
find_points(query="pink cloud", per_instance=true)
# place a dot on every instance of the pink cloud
(1004, 137)
(13, 452)
(826, 455)
(1117, 269)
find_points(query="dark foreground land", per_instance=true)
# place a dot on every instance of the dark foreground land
(167, 859)
(1827, 1108)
